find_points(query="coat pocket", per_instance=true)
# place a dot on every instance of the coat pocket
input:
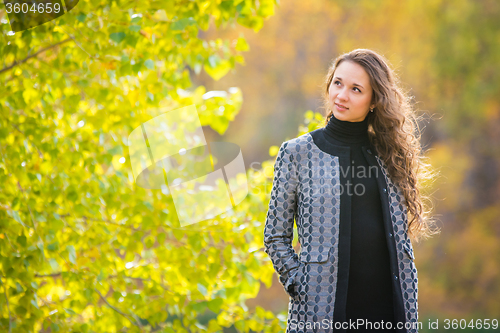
(409, 251)
(319, 254)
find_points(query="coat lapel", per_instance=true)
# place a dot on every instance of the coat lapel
(390, 219)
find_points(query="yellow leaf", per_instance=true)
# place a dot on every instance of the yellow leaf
(161, 15)
(10, 139)
(98, 169)
(218, 72)
(93, 253)
(273, 150)
(266, 8)
(241, 44)
(82, 261)
(203, 6)
(116, 162)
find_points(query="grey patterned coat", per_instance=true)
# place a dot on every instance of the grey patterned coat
(306, 187)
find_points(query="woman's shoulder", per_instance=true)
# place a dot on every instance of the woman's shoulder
(295, 144)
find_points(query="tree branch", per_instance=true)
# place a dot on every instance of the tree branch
(78, 44)
(19, 130)
(117, 310)
(31, 215)
(8, 306)
(47, 275)
(5, 69)
(143, 279)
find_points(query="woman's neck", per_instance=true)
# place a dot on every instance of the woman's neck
(346, 131)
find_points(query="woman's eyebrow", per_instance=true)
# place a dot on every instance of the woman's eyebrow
(354, 84)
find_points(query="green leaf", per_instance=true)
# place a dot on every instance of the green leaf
(136, 19)
(39, 217)
(84, 328)
(195, 242)
(15, 204)
(21, 240)
(147, 222)
(70, 311)
(33, 302)
(215, 305)
(134, 28)
(149, 64)
(202, 289)
(81, 17)
(131, 40)
(178, 234)
(199, 307)
(53, 264)
(213, 60)
(117, 36)
(182, 23)
(21, 310)
(83, 83)
(101, 276)
(53, 247)
(15, 215)
(117, 295)
(72, 254)
(160, 238)
(72, 196)
(116, 150)
(56, 225)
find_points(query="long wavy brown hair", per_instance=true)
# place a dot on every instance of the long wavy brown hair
(393, 131)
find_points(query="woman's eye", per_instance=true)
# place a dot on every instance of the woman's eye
(354, 87)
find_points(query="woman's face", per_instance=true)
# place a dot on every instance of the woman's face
(350, 87)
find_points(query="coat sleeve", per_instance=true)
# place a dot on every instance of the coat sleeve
(278, 231)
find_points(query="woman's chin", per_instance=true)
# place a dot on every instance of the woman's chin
(341, 115)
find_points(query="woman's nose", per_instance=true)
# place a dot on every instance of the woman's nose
(342, 94)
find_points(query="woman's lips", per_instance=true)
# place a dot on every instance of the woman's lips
(340, 108)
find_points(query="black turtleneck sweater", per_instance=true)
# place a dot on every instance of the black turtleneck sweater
(369, 294)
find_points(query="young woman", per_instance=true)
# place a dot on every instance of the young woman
(353, 189)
